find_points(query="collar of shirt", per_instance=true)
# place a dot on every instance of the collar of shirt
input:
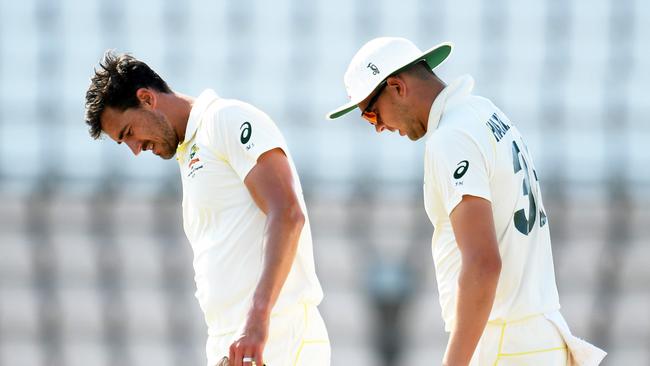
(200, 105)
(458, 88)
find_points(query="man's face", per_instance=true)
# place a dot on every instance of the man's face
(141, 128)
(385, 108)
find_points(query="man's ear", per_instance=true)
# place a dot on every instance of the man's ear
(146, 97)
(397, 83)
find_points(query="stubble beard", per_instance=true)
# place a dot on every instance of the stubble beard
(170, 140)
(414, 130)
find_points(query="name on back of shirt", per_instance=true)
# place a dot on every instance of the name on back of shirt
(497, 126)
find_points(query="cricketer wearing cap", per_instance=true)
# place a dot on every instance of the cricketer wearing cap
(243, 212)
(491, 244)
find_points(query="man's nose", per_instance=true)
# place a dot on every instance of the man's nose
(135, 146)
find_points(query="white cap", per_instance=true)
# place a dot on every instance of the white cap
(377, 60)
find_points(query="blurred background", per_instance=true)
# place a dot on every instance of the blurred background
(94, 265)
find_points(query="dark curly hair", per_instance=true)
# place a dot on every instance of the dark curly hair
(115, 85)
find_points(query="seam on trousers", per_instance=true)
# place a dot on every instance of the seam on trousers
(531, 352)
(302, 342)
(501, 322)
(503, 332)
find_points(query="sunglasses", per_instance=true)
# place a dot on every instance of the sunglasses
(367, 113)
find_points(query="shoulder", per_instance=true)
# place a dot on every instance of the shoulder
(229, 114)
(463, 122)
(468, 112)
(226, 110)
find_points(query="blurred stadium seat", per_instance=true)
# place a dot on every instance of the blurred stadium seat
(94, 266)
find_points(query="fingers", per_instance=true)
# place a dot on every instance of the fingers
(239, 355)
(235, 360)
(243, 353)
(258, 351)
(249, 360)
(252, 356)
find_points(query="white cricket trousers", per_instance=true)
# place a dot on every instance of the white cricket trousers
(542, 339)
(297, 337)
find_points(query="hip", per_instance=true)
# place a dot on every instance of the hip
(532, 340)
(297, 336)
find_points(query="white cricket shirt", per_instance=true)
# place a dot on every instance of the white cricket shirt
(472, 148)
(224, 226)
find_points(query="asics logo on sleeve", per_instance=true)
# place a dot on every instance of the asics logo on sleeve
(461, 170)
(247, 131)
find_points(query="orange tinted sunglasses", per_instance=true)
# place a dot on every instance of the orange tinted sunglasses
(367, 113)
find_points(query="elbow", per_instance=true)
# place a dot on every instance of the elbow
(497, 266)
(492, 267)
(485, 266)
(294, 216)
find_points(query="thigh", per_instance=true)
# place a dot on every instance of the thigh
(557, 357)
(297, 337)
(313, 353)
(285, 331)
(217, 347)
(533, 341)
(314, 348)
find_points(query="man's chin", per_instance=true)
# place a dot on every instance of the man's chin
(167, 155)
(414, 137)
(167, 152)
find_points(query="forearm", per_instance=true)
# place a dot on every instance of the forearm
(281, 242)
(476, 290)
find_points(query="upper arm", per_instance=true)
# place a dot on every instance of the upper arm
(473, 224)
(256, 150)
(241, 134)
(271, 183)
(460, 166)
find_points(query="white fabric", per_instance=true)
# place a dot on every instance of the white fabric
(297, 337)
(471, 149)
(539, 339)
(533, 340)
(582, 352)
(223, 224)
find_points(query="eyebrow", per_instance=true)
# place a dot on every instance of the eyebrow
(121, 135)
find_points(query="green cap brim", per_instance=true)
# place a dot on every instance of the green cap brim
(341, 112)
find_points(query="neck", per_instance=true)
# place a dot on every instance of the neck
(177, 108)
(429, 94)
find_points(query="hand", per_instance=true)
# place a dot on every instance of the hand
(447, 362)
(453, 364)
(250, 344)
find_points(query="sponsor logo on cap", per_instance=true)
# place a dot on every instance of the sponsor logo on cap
(373, 67)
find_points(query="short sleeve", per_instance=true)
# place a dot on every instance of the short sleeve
(243, 133)
(459, 167)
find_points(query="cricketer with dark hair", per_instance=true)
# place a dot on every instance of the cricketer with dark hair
(243, 211)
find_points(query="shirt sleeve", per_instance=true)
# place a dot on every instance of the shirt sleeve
(459, 167)
(243, 133)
